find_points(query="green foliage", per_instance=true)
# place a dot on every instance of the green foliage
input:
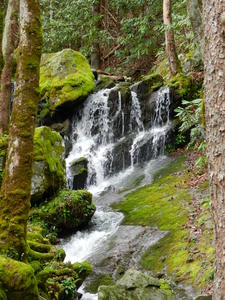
(190, 115)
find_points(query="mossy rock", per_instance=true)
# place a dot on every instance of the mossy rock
(49, 164)
(135, 285)
(67, 212)
(65, 79)
(61, 281)
(184, 86)
(79, 172)
(17, 280)
(154, 81)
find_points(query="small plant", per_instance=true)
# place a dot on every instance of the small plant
(69, 285)
(191, 116)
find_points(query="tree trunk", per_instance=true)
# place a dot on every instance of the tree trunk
(9, 44)
(169, 38)
(16, 185)
(194, 9)
(214, 83)
(96, 53)
(1, 33)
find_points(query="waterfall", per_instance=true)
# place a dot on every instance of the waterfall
(121, 138)
(113, 137)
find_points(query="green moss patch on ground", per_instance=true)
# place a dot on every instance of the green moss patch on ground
(168, 204)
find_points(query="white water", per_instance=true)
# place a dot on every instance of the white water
(93, 138)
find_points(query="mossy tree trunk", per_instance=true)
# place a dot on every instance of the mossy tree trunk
(214, 83)
(16, 185)
(169, 38)
(9, 44)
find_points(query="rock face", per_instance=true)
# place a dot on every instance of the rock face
(65, 79)
(79, 172)
(68, 211)
(135, 285)
(49, 164)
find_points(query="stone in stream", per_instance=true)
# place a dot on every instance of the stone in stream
(135, 285)
(79, 172)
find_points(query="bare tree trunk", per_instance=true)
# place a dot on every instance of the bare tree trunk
(9, 44)
(195, 15)
(214, 60)
(169, 38)
(96, 53)
(16, 185)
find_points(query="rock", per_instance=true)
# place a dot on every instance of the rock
(79, 172)
(49, 164)
(17, 280)
(65, 80)
(67, 212)
(135, 285)
(135, 279)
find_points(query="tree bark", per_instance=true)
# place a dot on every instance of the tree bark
(169, 37)
(194, 9)
(9, 44)
(96, 53)
(214, 84)
(16, 185)
(1, 33)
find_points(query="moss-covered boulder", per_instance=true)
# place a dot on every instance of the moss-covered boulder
(61, 280)
(67, 212)
(49, 164)
(65, 79)
(17, 280)
(135, 285)
(79, 173)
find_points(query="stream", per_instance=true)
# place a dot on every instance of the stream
(124, 149)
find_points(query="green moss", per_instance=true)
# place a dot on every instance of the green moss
(166, 204)
(49, 164)
(102, 279)
(154, 81)
(17, 280)
(68, 211)
(184, 86)
(65, 77)
(48, 146)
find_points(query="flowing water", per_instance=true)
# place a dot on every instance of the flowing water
(123, 152)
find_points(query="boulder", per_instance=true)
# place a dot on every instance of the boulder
(135, 285)
(17, 280)
(67, 212)
(79, 173)
(49, 164)
(65, 80)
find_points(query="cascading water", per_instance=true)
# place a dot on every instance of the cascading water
(108, 150)
(120, 148)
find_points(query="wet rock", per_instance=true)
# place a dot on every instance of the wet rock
(79, 172)
(135, 285)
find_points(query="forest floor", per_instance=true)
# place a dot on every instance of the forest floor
(177, 202)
